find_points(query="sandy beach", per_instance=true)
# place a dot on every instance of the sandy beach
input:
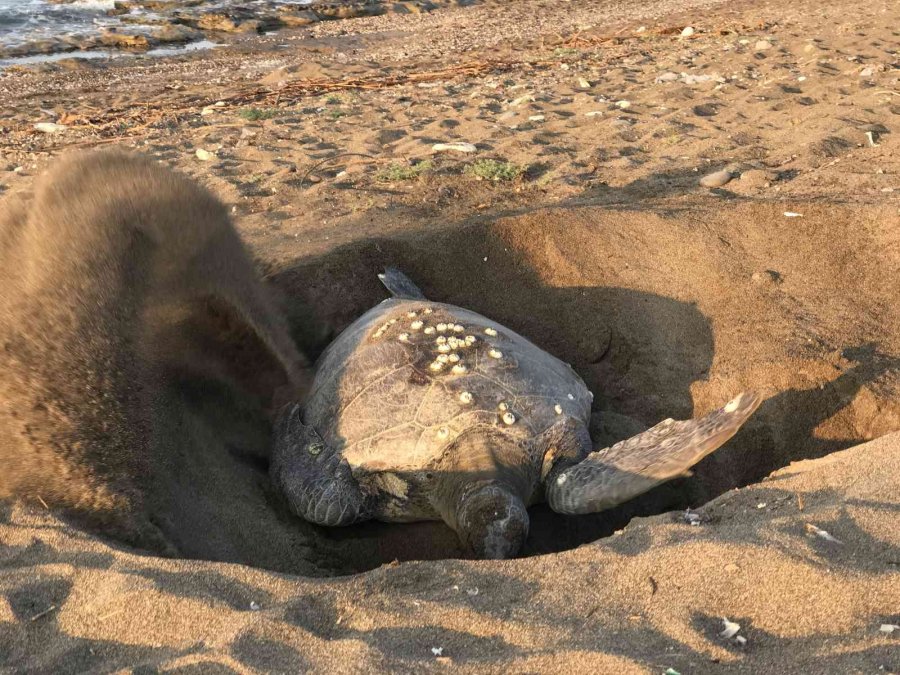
(681, 199)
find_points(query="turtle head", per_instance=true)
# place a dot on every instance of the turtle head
(491, 521)
(479, 488)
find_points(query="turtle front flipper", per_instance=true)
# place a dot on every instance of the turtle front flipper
(315, 480)
(614, 475)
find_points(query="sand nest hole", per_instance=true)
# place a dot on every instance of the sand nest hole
(662, 315)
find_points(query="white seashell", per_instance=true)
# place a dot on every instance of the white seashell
(465, 397)
(502, 406)
(571, 397)
(460, 369)
(442, 327)
(436, 365)
(454, 358)
(471, 339)
(427, 310)
(416, 325)
(440, 339)
(731, 629)
(558, 409)
(412, 315)
(458, 329)
(495, 354)
(392, 322)
(442, 358)
(443, 432)
(509, 418)
(490, 331)
(403, 337)
(444, 349)
(429, 330)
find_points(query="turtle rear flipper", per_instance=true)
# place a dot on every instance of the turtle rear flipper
(315, 480)
(631, 467)
(400, 285)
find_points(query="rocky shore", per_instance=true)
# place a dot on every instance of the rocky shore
(146, 24)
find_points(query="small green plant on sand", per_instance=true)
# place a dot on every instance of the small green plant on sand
(256, 114)
(491, 169)
(400, 172)
(333, 99)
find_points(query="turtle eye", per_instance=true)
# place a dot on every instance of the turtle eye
(315, 448)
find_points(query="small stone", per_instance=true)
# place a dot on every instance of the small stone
(453, 147)
(557, 409)
(466, 397)
(443, 432)
(502, 406)
(762, 45)
(583, 83)
(716, 179)
(731, 567)
(867, 72)
(495, 354)
(536, 118)
(204, 155)
(687, 32)
(49, 127)
(666, 77)
(508, 418)
(623, 104)
(766, 278)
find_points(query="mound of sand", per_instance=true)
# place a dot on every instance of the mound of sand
(805, 562)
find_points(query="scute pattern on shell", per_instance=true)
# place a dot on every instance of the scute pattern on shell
(386, 387)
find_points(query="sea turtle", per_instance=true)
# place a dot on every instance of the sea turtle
(425, 411)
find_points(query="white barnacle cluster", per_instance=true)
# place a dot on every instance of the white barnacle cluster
(449, 344)
(384, 328)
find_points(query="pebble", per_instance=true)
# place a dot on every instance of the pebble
(716, 179)
(866, 72)
(762, 45)
(623, 104)
(522, 99)
(766, 278)
(666, 77)
(453, 147)
(204, 155)
(49, 127)
(536, 118)
(687, 32)
(583, 83)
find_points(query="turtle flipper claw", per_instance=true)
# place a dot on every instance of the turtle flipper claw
(629, 468)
